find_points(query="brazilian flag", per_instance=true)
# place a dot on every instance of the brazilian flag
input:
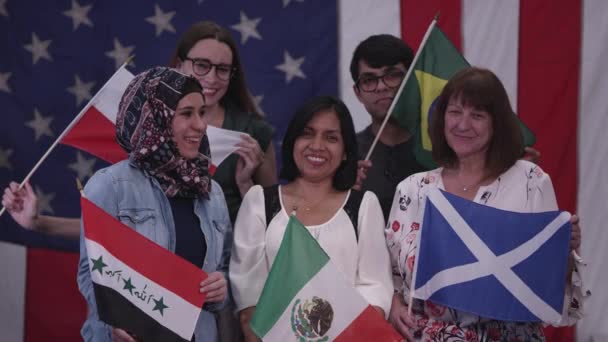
(438, 61)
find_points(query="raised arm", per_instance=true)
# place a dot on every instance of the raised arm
(22, 204)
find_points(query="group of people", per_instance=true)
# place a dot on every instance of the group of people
(231, 225)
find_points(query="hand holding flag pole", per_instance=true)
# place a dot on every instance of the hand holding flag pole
(402, 86)
(69, 127)
(80, 187)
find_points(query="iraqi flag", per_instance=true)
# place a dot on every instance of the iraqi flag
(306, 298)
(493, 263)
(139, 286)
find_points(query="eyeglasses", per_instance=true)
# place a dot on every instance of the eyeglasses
(391, 79)
(202, 67)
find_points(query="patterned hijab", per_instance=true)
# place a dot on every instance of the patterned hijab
(143, 129)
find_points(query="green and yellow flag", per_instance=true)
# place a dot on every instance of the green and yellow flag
(437, 62)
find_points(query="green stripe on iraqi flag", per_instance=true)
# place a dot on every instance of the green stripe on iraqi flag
(437, 62)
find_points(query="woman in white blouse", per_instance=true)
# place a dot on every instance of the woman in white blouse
(319, 162)
(477, 143)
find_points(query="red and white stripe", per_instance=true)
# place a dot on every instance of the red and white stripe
(23, 317)
(549, 55)
(95, 132)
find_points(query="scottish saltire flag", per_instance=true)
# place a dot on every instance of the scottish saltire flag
(438, 61)
(494, 263)
(306, 298)
(139, 286)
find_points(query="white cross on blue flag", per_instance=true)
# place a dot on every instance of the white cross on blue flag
(498, 264)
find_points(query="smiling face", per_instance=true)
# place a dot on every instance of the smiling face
(217, 53)
(377, 102)
(188, 126)
(468, 130)
(319, 149)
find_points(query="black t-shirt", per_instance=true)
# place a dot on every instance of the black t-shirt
(190, 241)
(390, 165)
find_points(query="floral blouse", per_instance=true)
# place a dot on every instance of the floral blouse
(522, 188)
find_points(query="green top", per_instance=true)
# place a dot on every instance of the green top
(261, 131)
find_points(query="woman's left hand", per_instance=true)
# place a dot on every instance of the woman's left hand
(575, 236)
(215, 286)
(251, 157)
(531, 154)
(362, 167)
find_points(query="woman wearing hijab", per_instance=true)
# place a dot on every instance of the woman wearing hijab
(164, 191)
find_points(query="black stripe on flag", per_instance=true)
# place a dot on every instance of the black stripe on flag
(118, 312)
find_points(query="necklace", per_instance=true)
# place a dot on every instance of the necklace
(296, 205)
(466, 188)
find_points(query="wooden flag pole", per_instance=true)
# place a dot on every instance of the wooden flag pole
(79, 187)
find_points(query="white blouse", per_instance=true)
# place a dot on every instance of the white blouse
(523, 188)
(364, 263)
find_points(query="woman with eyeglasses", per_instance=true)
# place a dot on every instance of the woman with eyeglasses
(208, 52)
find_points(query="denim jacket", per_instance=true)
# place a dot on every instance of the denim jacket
(136, 199)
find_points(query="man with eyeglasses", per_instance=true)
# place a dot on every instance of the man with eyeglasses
(378, 66)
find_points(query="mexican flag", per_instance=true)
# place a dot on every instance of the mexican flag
(305, 298)
(437, 61)
(139, 286)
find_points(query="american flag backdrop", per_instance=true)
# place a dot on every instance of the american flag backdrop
(55, 54)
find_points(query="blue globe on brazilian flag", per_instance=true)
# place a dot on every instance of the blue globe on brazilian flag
(438, 61)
